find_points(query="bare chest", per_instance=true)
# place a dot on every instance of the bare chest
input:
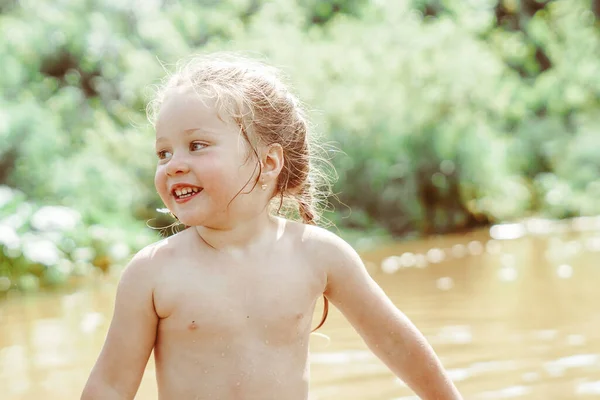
(271, 302)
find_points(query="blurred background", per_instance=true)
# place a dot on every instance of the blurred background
(466, 138)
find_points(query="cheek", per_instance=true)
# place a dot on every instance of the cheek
(217, 170)
(160, 182)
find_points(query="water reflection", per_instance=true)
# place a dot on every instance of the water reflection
(511, 316)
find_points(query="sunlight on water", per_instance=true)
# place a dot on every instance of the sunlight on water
(513, 314)
(588, 388)
(506, 393)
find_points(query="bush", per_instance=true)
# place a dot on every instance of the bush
(50, 246)
(447, 115)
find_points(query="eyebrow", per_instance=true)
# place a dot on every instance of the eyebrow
(188, 132)
(201, 130)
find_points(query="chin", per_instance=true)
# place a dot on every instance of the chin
(192, 220)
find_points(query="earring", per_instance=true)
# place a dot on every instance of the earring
(263, 186)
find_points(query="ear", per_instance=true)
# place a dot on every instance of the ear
(272, 162)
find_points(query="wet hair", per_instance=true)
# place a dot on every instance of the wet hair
(255, 96)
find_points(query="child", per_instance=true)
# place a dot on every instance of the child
(227, 303)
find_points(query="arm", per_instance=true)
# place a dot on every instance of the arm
(120, 366)
(388, 333)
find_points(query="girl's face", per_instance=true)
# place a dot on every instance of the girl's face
(203, 163)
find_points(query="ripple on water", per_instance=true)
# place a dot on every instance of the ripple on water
(559, 366)
(408, 260)
(576, 340)
(505, 393)
(421, 261)
(459, 374)
(507, 231)
(341, 357)
(508, 260)
(586, 224)
(454, 334)
(508, 274)
(91, 321)
(546, 334)
(459, 250)
(479, 368)
(390, 264)
(475, 247)
(588, 388)
(435, 255)
(531, 376)
(564, 271)
(493, 247)
(445, 283)
(593, 243)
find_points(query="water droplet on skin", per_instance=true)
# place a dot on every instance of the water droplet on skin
(222, 354)
(237, 384)
(206, 371)
(266, 342)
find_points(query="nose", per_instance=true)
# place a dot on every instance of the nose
(177, 166)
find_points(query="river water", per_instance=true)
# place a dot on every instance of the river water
(511, 316)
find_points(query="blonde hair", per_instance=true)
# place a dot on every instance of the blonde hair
(254, 95)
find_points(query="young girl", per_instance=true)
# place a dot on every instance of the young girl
(227, 303)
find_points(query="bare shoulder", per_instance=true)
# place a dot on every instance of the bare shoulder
(151, 257)
(328, 249)
(145, 259)
(146, 264)
(349, 286)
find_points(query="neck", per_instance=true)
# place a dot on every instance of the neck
(242, 236)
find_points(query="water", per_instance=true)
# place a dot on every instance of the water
(512, 316)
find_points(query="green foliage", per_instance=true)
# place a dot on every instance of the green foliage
(49, 246)
(320, 12)
(447, 114)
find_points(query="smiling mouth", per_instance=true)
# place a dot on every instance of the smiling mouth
(185, 193)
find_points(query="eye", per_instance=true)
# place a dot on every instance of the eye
(163, 154)
(195, 146)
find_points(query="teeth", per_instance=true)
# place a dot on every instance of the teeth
(186, 190)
